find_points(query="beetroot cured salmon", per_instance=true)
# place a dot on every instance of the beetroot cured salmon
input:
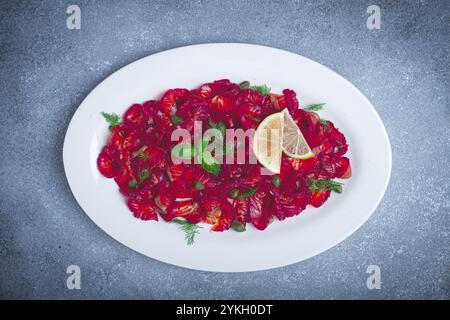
(139, 153)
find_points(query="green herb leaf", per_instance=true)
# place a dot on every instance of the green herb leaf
(264, 90)
(143, 155)
(198, 185)
(210, 164)
(276, 181)
(189, 229)
(316, 185)
(247, 193)
(315, 107)
(238, 226)
(143, 175)
(326, 123)
(183, 150)
(234, 193)
(176, 119)
(244, 85)
(219, 126)
(112, 118)
(132, 183)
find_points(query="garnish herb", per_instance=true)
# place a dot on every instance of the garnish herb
(176, 119)
(244, 85)
(205, 158)
(132, 183)
(219, 126)
(247, 193)
(228, 146)
(264, 90)
(276, 181)
(209, 163)
(143, 175)
(189, 229)
(238, 226)
(112, 118)
(315, 107)
(325, 123)
(234, 193)
(143, 155)
(321, 185)
(198, 185)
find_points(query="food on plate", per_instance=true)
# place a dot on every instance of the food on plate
(212, 186)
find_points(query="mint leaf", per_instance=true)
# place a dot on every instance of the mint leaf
(210, 164)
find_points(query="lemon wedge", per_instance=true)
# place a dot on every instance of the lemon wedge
(294, 143)
(276, 134)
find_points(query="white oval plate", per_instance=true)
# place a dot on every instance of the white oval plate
(282, 243)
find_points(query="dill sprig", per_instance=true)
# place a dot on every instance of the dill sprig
(112, 118)
(326, 123)
(315, 107)
(322, 185)
(189, 229)
(264, 90)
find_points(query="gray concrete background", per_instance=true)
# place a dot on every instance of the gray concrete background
(47, 70)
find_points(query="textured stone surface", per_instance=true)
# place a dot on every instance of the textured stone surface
(46, 71)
